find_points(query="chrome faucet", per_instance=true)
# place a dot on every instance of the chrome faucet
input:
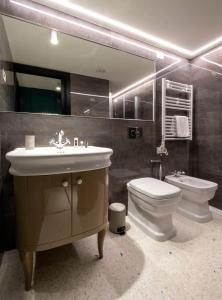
(59, 144)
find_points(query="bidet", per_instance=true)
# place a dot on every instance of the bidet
(195, 196)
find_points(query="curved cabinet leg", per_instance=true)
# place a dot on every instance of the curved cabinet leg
(101, 237)
(28, 262)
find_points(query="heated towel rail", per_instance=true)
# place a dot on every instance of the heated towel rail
(178, 102)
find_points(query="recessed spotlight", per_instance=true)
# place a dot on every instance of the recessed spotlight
(54, 38)
(58, 88)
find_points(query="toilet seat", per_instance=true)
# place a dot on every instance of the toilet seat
(151, 202)
(153, 188)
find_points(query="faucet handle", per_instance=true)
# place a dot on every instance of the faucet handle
(68, 141)
(174, 173)
(65, 183)
(52, 141)
(79, 181)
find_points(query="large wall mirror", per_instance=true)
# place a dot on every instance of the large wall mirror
(60, 74)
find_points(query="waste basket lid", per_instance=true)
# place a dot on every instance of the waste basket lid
(118, 207)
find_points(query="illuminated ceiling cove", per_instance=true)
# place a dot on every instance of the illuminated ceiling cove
(188, 28)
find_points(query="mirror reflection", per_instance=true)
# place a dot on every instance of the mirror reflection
(38, 94)
(68, 75)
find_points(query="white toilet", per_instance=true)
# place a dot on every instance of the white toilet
(195, 196)
(151, 205)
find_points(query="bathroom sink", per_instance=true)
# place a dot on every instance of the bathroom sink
(48, 160)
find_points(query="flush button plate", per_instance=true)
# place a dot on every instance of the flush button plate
(135, 132)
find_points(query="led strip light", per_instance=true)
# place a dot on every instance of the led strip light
(89, 95)
(127, 28)
(203, 57)
(91, 28)
(120, 95)
(104, 33)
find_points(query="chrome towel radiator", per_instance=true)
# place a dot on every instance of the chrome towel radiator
(176, 105)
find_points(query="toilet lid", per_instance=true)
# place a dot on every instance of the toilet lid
(154, 188)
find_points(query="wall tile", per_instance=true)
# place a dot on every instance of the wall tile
(206, 154)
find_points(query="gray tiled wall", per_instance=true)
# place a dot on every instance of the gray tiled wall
(206, 153)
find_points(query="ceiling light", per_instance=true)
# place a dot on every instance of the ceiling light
(58, 88)
(207, 46)
(204, 57)
(54, 38)
(211, 61)
(160, 55)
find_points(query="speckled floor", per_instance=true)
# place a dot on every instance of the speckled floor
(134, 267)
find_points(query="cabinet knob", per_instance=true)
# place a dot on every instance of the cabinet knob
(79, 180)
(65, 184)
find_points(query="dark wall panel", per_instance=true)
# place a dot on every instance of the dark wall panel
(206, 154)
(7, 100)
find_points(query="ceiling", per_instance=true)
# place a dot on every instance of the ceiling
(189, 24)
(73, 55)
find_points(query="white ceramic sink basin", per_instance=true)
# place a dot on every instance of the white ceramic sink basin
(47, 160)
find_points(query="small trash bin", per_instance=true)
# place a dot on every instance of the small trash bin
(117, 216)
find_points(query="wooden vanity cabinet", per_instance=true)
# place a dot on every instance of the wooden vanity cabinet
(53, 210)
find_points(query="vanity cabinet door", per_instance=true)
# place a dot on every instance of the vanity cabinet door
(43, 208)
(89, 200)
